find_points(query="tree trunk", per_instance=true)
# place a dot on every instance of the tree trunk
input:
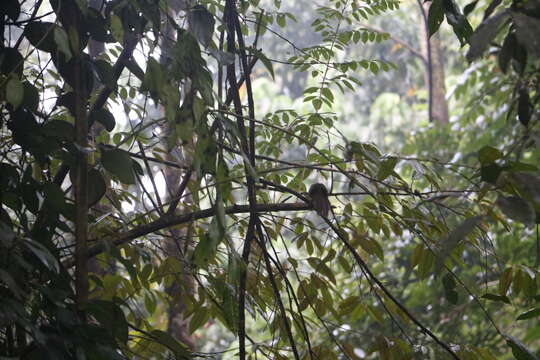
(96, 48)
(180, 240)
(434, 75)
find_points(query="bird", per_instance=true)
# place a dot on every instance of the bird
(319, 199)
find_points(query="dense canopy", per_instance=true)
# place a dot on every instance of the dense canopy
(252, 179)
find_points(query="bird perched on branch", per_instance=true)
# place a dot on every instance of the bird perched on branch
(319, 199)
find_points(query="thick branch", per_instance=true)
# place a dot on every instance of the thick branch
(81, 193)
(167, 221)
(230, 16)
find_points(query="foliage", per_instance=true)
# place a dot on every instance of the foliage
(419, 259)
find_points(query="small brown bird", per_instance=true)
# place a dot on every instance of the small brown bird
(319, 199)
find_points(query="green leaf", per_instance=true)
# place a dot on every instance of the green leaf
(43, 254)
(154, 78)
(490, 173)
(507, 51)
(202, 24)
(62, 42)
(344, 264)
(375, 313)
(387, 167)
(229, 307)
(171, 343)
(119, 163)
(14, 92)
(11, 8)
(6, 235)
(111, 317)
(321, 268)
(516, 166)
(524, 107)
(59, 129)
(128, 263)
(327, 93)
(372, 247)
(11, 61)
(117, 29)
(105, 71)
(31, 97)
(469, 7)
(426, 264)
(435, 16)
(449, 282)
(504, 281)
(41, 35)
(150, 303)
(104, 117)
(317, 103)
(96, 187)
(417, 255)
(519, 350)
(266, 62)
(373, 67)
(198, 319)
(280, 19)
(54, 197)
(529, 314)
(494, 297)
(204, 251)
(451, 296)
(488, 155)
(348, 305)
(458, 21)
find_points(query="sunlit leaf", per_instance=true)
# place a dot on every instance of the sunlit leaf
(532, 313)
(488, 155)
(386, 167)
(495, 297)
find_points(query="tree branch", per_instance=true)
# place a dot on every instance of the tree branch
(167, 221)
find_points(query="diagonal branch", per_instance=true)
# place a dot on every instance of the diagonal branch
(365, 268)
(275, 288)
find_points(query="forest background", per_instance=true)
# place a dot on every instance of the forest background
(156, 159)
